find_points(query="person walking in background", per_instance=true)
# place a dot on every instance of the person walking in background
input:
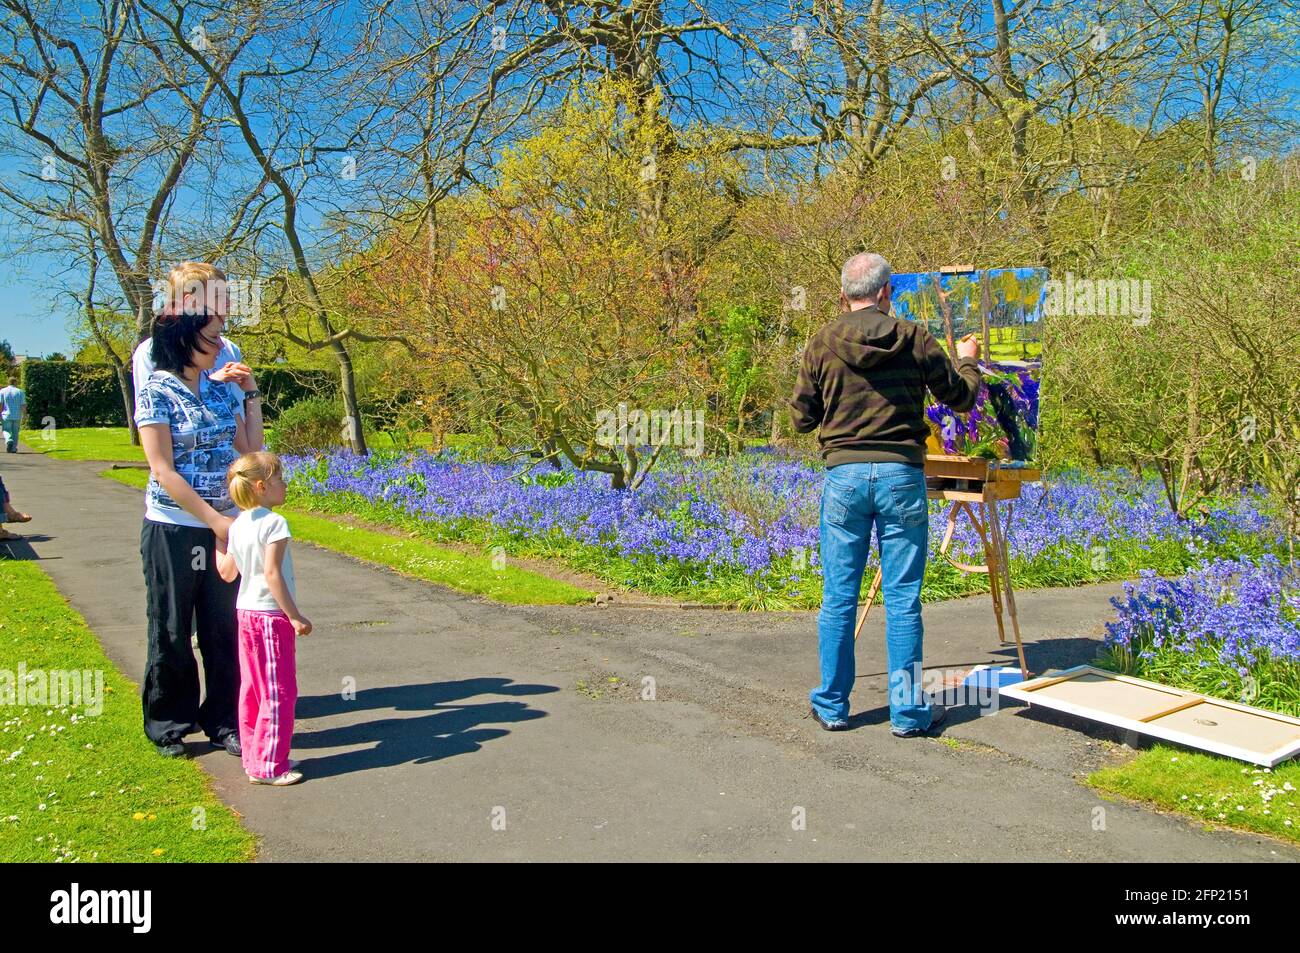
(862, 381)
(270, 623)
(12, 402)
(191, 432)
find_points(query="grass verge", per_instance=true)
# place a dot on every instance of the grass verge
(113, 444)
(80, 786)
(84, 443)
(415, 557)
(1219, 792)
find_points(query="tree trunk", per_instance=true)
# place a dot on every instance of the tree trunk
(348, 389)
(1193, 432)
(1088, 437)
(128, 401)
(946, 310)
(986, 305)
(119, 366)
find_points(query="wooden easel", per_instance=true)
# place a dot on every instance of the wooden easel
(975, 486)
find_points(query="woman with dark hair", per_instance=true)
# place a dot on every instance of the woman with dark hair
(191, 432)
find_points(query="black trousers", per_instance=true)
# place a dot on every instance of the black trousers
(184, 590)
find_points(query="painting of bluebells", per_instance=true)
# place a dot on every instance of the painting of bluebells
(1003, 424)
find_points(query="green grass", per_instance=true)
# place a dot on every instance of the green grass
(415, 557)
(84, 443)
(113, 444)
(1004, 345)
(75, 785)
(1218, 791)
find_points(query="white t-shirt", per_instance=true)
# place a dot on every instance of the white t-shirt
(12, 402)
(142, 366)
(250, 534)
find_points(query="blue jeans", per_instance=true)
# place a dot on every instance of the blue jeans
(10, 435)
(890, 497)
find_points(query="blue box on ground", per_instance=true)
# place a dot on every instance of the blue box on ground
(992, 677)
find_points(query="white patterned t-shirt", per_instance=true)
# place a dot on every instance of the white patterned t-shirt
(203, 443)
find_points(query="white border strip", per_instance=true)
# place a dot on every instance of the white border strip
(1026, 692)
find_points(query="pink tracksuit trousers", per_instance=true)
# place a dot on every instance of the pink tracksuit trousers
(268, 691)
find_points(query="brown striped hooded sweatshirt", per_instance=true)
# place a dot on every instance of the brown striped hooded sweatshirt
(863, 381)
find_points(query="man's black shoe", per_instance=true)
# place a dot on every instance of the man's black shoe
(937, 714)
(231, 743)
(839, 724)
(173, 750)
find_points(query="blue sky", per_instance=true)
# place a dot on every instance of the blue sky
(32, 322)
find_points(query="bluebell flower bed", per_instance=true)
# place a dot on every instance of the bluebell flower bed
(1228, 628)
(743, 529)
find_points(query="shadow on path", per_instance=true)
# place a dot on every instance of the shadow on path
(21, 548)
(448, 729)
(1041, 656)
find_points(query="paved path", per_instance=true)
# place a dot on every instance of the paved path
(464, 708)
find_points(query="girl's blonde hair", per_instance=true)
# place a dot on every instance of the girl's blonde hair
(247, 470)
(205, 281)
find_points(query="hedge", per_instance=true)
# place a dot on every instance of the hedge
(77, 394)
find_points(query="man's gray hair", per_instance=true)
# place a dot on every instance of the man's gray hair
(863, 275)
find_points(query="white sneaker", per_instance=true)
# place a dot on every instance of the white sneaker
(279, 781)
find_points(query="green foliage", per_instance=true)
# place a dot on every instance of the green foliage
(746, 382)
(282, 387)
(1204, 391)
(77, 394)
(312, 424)
(549, 479)
(73, 394)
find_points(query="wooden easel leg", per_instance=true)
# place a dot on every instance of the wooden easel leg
(991, 560)
(1004, 566)
(871, 597)
(950, 527)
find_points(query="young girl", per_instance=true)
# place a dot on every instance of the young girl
(269, 620)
